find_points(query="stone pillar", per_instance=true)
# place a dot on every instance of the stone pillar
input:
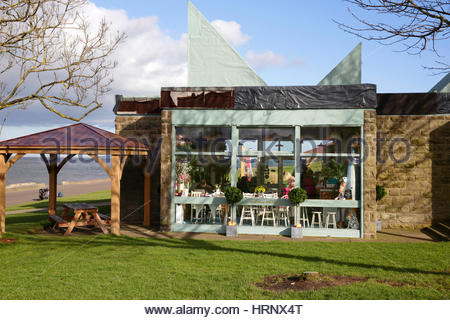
(146, 128)
(166, 169)
(370, 174)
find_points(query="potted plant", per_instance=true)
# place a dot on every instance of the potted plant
(297, 196)
(233, 196)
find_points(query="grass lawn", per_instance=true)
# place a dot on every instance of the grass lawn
(42, 266)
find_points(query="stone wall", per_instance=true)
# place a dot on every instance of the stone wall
(370, 171)
(166, 168)
(147, 129)
(413, 164)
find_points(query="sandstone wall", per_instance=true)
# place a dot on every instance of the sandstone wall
(370, 176)
(146, 129)
(413, 164)
(166, 168)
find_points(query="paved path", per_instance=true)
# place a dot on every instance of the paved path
(97, 204)
(384, 236)
(14, 197)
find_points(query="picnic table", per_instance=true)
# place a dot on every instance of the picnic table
(84, 214)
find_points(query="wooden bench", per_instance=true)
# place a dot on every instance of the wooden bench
(105, 218)
(56, 218)
(59, 222)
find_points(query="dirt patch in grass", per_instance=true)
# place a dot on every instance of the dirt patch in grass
(8, 240)
(298, 282)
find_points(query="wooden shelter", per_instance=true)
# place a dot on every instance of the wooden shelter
(74, 140)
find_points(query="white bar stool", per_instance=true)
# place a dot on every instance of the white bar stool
(331, 214)
(319, 218)
(304, 217)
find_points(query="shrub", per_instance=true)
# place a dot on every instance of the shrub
(297, 195)
(233, 195)
(381, 193)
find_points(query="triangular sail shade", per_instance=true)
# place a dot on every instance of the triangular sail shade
(348, 71)
(443, 85)
(212, 62)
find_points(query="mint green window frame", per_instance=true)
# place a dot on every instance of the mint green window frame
(269, 118)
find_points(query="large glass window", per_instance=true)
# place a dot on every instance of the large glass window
(330, 169)
(271, 173)
(266, 159)
(332, 178)
(201, 173)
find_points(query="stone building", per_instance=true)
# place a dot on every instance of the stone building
(272, 134)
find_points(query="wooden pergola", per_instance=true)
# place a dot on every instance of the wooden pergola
(77, 139)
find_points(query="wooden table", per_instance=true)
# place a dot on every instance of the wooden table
(84, 215)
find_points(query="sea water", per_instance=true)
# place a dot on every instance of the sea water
(32, 169)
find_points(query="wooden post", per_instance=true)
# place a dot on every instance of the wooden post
(2, 193)
(52, 183)
(147, 203)
(115, 194)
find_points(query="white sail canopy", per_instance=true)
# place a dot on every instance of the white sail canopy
(212, 62)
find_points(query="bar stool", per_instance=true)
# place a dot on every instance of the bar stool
(319, 218)
(304, 217)
(331, 214)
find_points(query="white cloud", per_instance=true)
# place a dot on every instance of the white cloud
(231, 31)
(148, 58)
(261, 60)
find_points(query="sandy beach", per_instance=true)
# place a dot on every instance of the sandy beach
(29, 193)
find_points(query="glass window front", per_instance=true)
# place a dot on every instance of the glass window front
(265, 169)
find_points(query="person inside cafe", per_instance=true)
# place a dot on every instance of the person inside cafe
(206, 188)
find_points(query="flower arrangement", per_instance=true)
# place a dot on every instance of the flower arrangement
(298, 225)
(260, 189)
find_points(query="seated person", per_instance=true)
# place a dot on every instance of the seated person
(289, 187)
(204, 186)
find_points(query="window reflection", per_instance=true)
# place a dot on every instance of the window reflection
(316, 140)
(206, 139)
(266, 139)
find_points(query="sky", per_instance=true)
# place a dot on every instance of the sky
(287, 42)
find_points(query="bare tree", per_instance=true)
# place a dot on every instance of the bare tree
(418, 24)
(50, 54)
